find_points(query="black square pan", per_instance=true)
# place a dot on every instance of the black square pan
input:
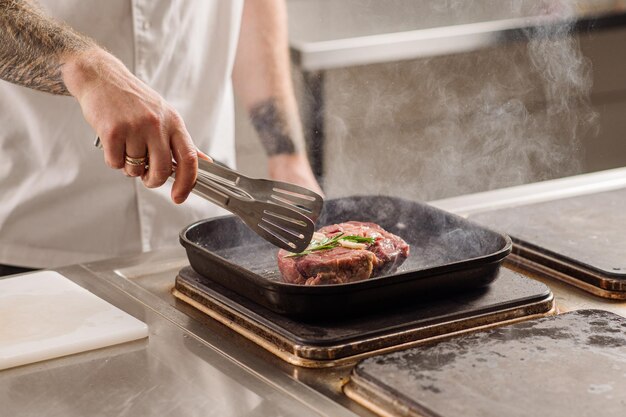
(448, 253)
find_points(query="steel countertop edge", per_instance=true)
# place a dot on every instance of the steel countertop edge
(186, 356)
(354, 46)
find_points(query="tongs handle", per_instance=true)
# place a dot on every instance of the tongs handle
(225, 195)
(218, 195)
(211, 193)
(219, 173)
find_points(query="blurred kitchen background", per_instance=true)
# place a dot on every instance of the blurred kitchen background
(432, 99)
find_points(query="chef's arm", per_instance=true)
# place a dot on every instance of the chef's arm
(131, 119)
(262, 82)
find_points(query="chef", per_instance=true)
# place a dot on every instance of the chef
(154, 79)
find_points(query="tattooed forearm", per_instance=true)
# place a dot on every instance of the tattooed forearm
(278, 133)
(32, 45)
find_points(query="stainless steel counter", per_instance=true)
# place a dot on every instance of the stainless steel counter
(327, 34)
(191, 365)
(186, 367)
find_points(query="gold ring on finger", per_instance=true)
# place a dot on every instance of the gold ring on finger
(135, 161)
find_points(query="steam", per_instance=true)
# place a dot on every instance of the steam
(509, 114)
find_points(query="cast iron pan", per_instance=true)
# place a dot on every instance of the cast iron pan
(448, 253)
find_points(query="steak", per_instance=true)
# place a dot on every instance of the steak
(341, 265)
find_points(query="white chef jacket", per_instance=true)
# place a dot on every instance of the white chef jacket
(59, 203)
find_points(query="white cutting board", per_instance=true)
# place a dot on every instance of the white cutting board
(44, 315)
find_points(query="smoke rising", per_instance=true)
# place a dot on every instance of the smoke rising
(430, 128)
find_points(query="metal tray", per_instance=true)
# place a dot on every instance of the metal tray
(448, 253)
(580, 238)
(567, 365)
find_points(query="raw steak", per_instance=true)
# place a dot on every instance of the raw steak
(342, 265)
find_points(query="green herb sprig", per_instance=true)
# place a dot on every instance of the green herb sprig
(330, 243)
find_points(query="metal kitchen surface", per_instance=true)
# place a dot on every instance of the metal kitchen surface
(172, 373)
(340, 339)
(358, 32)
(193, 365)
(578, 239)
(573, 364)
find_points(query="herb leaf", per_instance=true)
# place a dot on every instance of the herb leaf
(330, 243)
(358, 239)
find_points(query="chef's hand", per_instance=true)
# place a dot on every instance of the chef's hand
(132, 121)
(293, 168)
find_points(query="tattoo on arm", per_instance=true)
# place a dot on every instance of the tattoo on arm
(279, 133)
(32, 44)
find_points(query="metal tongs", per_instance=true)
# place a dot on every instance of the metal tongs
(283, 214)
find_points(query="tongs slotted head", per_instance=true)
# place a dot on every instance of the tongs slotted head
(283, 214)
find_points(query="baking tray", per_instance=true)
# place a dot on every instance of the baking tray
(448, 253)
(580, 238)
(566, 365)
